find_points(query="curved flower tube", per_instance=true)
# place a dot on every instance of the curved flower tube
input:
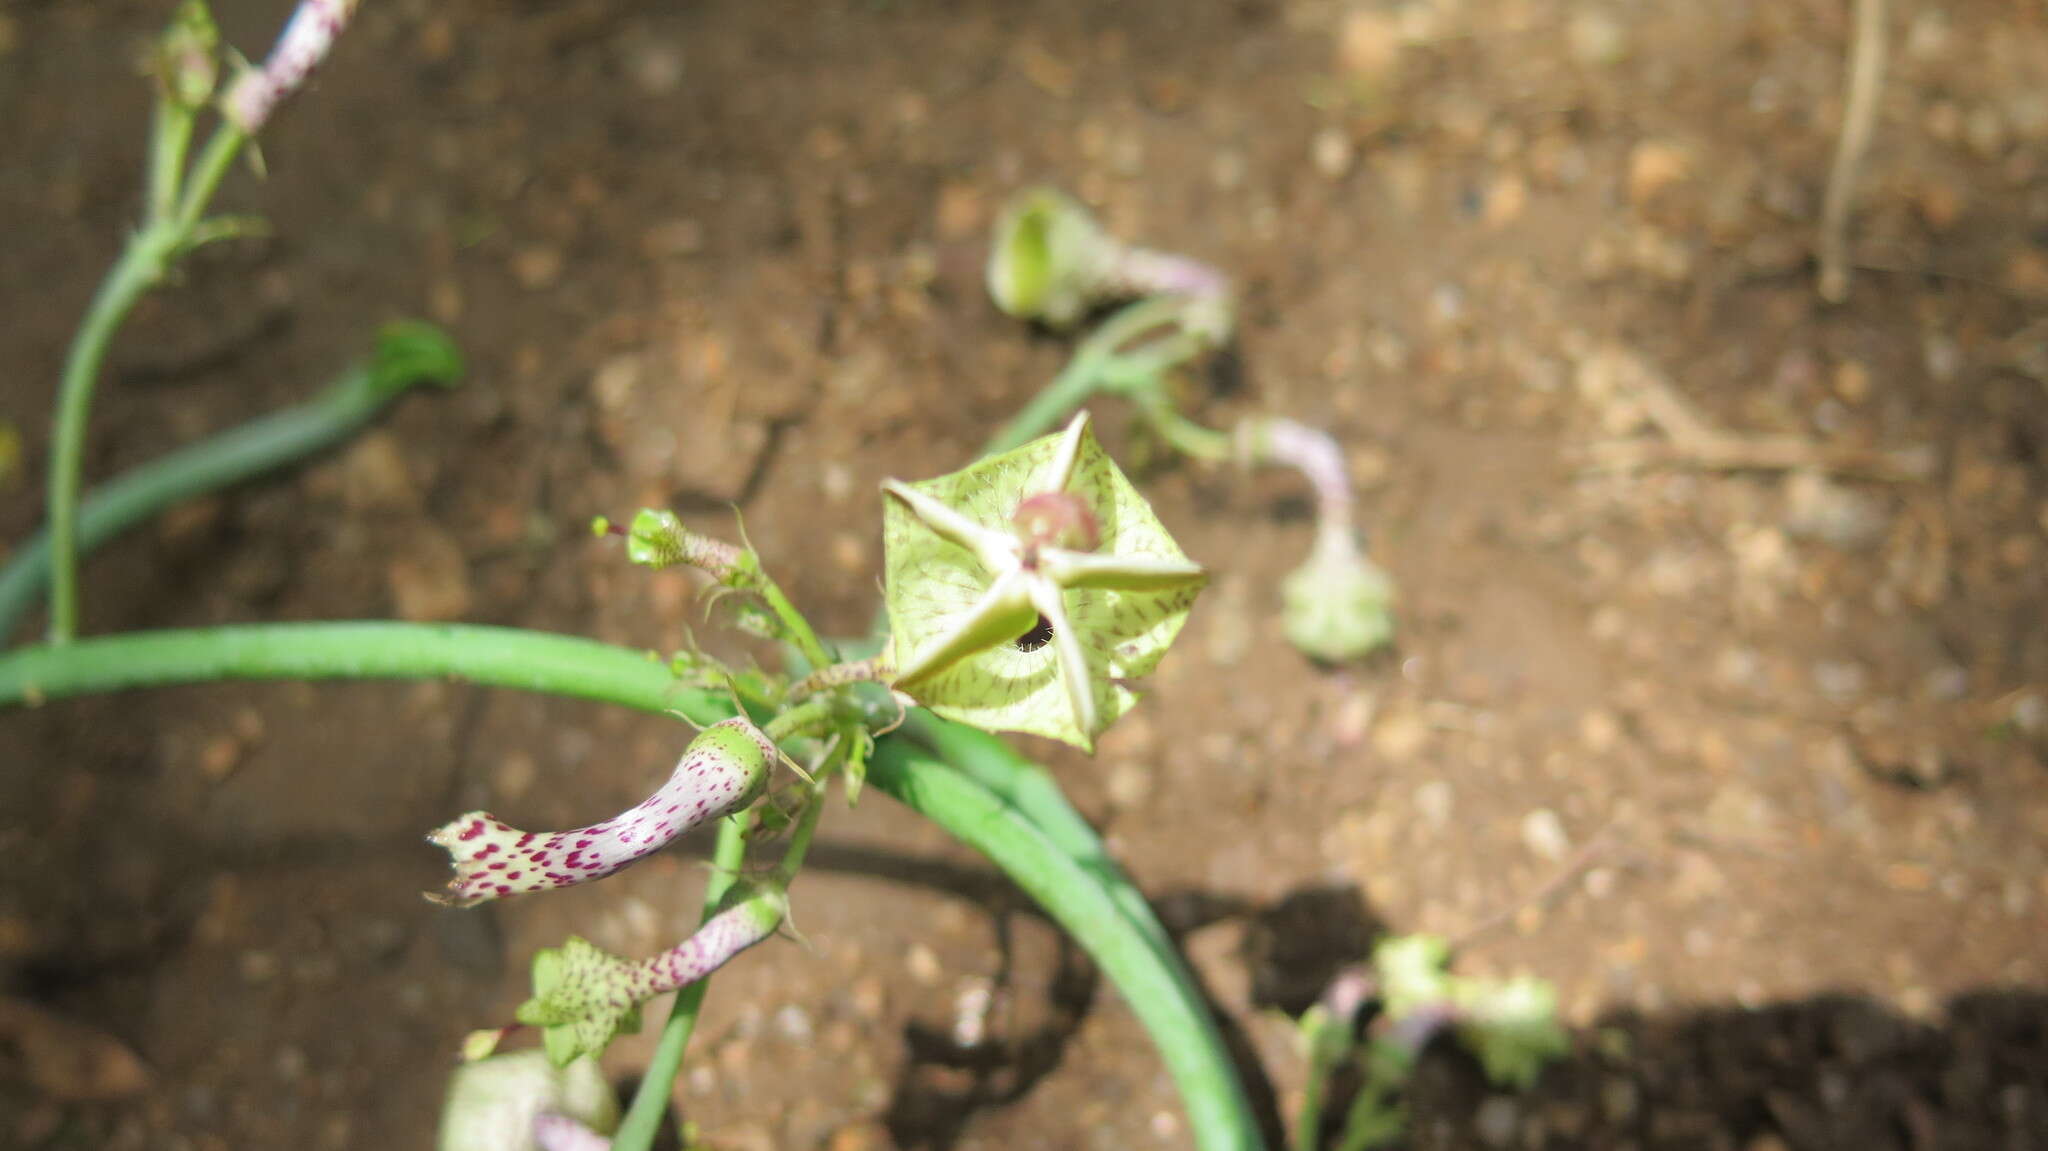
(723, 770)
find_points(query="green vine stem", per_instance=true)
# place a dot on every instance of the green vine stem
(1094, 368)
(643, 1117)
(1074, 891)
(143, 264)
(406, 354)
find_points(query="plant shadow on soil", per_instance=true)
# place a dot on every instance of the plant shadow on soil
(1829, 1071)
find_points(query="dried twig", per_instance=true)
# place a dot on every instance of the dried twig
(1859, 119)
(1729, 452)
(1585, 857)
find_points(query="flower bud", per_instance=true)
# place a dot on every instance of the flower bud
(495, 1104)
(723, 770)
(187, 61)
(1338, 606)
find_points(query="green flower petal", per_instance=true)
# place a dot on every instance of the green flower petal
(1120, 625)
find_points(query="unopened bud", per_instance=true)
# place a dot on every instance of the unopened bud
(1338, 606)
(493, 1104)
(1051, 262)
(187, 60)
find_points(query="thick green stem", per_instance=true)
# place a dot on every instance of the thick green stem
(1075, 886)
(168, 143)
(210, 465)
(1143, 969)
(141, 265)
(643, 1117)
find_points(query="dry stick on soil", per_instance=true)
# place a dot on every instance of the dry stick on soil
(1582, 859)
(1859, 120)
(1693, 443)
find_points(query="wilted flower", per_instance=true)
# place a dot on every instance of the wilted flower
(1052, 262)
(584, 996)
(1026, 591)
(1338, 605)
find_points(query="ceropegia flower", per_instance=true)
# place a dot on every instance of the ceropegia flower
(304, 43)
(502, 1103)
(722, 771)
(584, 996)
(1027, 590)
(1052, 262)
(1510, 1025)
(1338, 605)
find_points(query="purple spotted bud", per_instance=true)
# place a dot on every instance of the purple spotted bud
(723, 770)
(658, 539)
(305, 42)
(584, 997)
(187, 56)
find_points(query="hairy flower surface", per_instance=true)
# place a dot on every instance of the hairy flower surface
(1027, 590)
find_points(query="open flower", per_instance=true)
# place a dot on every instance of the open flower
(1025, 591)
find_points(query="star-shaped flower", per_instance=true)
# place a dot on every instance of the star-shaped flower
(1028, 589)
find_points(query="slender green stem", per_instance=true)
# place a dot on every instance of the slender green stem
(807, 718)
(1185, 435)
(229, 458)
(1094, 368)
(1077, 892)
(141, 265)
(643, 1117)
(800, 837)
(212, 167)
(800, 631)
(169, 140)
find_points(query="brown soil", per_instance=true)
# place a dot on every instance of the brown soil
(728, 253)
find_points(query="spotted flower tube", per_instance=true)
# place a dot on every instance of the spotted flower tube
(307, 39)
(1026, 591)
(722, 771)
(1338, 604)
(584, 996)
(1052, 262)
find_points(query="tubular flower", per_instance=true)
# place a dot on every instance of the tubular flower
(1027, 590)
(584, 996)
(306, 40)
(723, 770)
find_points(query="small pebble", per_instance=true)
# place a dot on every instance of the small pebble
(1543, 834)
(1332, 153)
(1496, 1120)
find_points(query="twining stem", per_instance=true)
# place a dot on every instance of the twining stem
(142, 265)
(874, 670)
(1185, 435)
(1082, 894)
(226, 459)
(643, 1117)
(1093, 368)
(1859, 121)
